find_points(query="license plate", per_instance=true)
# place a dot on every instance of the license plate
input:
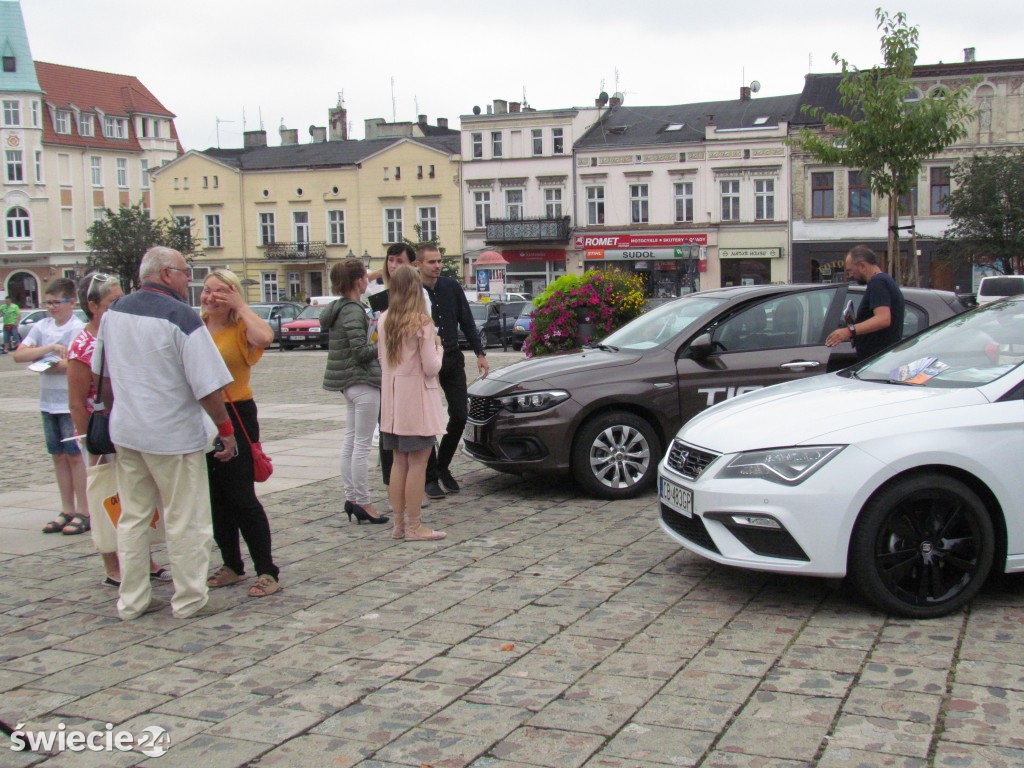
(677, 497)
(296, 338)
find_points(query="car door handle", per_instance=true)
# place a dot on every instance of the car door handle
(800, 364)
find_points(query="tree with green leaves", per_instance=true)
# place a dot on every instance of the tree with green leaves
(987, 209)
(450, 266)
(885, 131)
(119, 240)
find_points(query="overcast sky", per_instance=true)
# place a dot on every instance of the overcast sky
(210, 59)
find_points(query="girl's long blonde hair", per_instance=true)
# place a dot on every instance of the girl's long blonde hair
(406, 313)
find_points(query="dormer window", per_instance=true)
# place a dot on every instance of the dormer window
(62, 122)
(10, 64)
(115, 127)
(86, 125)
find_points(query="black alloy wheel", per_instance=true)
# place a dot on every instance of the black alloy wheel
(923, 547)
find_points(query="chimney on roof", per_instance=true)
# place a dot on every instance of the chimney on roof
(422, 119)
(513, 106)
(500, 107)
(337, 119)
(711, 119)
(744, 93)
(288, 136)
(254, 139)
(968, 55)
(317, 134)
(442, 122)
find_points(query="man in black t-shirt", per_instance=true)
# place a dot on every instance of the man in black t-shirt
(879, 321)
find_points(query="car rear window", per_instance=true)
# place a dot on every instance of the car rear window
(1001, 286)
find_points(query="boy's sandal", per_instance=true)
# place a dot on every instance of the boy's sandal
(79, 524)
(110, 581)
(56, 526)
(265, 585)
(160, 575)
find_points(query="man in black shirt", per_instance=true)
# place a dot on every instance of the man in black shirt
(451, 312)
(879, 321)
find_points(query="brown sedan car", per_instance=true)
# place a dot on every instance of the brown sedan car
(606, 414)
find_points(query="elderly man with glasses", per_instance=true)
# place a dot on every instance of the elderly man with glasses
(163, 370)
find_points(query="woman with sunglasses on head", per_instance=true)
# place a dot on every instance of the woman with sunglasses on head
(241, 336)
(96, 292)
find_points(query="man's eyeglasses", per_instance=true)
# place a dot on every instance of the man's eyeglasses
(186, 270)
(53, 303)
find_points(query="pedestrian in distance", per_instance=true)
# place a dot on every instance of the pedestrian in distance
(96, 293)
(353, 370)
(47, 345)
(161, 373)
(241, 336)
(450, 311)
(11, 314)
(879, 320)
(411, 411)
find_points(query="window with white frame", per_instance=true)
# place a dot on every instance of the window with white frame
(15, 166)
(156, 128)
(557, 141)
(195, 288)
(12, 112)
(478, 145)
(427, 216)
(86, 126)
(495, 143)
(513, 204)
(639, 204)
(595, 205)
(336, 227)
(392, 225)
(269, 289)
(99, 214)
(35, 114)
(730, 200)
(184, 222)
(213, 230)
(19, 226)
(294, 284)
(538, 141)
(481, 208)
(122, 171)
(144, 173)
(96, 170)
(764, 199)
(62, 121)
(683, 191)
(115, 127)
(39, 167)
(553, 202)
(268, 228)
(300, 226)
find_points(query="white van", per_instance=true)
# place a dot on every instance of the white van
(996, 287)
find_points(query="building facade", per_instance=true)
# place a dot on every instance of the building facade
(690, 197)
(517, 190)
(76, 142)
(281, 216)
(834, 210)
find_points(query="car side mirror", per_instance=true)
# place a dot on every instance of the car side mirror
(702, 347)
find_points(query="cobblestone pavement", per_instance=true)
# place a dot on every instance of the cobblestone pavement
(548, 629)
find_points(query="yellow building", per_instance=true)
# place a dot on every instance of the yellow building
(280, 217)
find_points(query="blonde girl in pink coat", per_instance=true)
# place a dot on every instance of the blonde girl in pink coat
(412, 414)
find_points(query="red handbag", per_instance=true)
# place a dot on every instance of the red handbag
(262, 465)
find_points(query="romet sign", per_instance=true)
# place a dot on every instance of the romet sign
(638, 242)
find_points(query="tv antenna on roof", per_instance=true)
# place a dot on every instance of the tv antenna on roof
(219, 121)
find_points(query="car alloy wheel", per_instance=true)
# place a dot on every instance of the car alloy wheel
(923, 547)
(616, 455)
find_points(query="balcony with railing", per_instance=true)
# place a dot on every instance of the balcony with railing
(538, 230)
(301, 251)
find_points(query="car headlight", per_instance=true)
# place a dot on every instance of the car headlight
(531, 402)
(789, 466)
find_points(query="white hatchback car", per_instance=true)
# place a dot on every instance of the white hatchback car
(903, 471)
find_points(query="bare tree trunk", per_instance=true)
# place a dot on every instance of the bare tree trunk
(894, 239)
(913, 252)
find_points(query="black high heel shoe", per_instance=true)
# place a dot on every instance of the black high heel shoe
(361, 514)
(347, 509)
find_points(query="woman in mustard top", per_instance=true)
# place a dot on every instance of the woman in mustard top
(241, 336)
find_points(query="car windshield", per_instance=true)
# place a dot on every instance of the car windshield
(310, 313)
(663, 323)
(970, 350)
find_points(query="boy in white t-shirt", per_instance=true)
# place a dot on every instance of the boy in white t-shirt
(50, 339)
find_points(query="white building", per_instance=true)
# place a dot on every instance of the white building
(517, 189)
